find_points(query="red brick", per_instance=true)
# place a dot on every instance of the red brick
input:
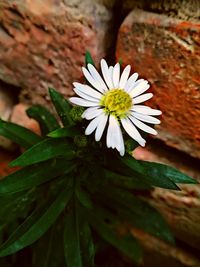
(166, 51)
(43, 43)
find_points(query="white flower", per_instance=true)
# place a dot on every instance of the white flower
(114, 100)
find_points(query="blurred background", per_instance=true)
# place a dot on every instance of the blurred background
(43, 43)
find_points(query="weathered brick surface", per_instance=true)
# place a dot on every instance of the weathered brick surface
(166, 51)
(42, 43)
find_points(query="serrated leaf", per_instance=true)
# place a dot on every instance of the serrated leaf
(45, 150)
(34, 175)
(62, 107)
(46, 120)
(88, 59)
(127, 244)
(162, 171)
(64, 132)
(72, 238)
(36, 224)
(157, 181)
(137, 211)
(18, 134)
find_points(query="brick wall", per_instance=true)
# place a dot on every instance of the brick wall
(42, 43)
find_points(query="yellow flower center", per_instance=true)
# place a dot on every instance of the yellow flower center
(116, 102)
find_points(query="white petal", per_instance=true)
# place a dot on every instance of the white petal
(92, 125)
(142, 98)
(101, 127)
(92, 114)
(87, 90)
(85, 96)
(111, 68)
(124, 77)
(113, 134)
(116, 73)
(88, 111)
(91, 80)
(146, 118)
(120, 141)
(133, 85)
(131, 80)
(146, 110)
(142, 126)
(108, 136)
(139, 89)
(83, 102)
(132, 131)
(106, 73)
(97, 77)
(122, 148)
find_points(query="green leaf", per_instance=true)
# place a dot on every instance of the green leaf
(53, 254)
(36, 224)
(158, 181)
(15, 206)
(120, 62)
(45, 119)
(64, 132)
(72, 238)
(126, 181)
(127, 244)
(133, 164)
(88, 59)
(62, 106)
(161, 171)
(18, 134)
(47, 149)
(34, 175)
(87, 245)
(137, 211)
(84, 198)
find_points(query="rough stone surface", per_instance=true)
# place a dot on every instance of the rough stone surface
(163, 254)
(166, 51)
(7, 101)
(183, 9)
(42, 43)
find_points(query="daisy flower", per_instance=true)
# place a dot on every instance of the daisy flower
(114, 101)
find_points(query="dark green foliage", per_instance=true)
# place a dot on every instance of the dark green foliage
(34, 175)
(45, 150)
(164, 172)
(64, 132)
(45, 119)
(36, 224)
(18, 134)
(127, 244)
(70, 189)
(62, 106)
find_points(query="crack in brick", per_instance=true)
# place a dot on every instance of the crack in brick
(183, 42)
